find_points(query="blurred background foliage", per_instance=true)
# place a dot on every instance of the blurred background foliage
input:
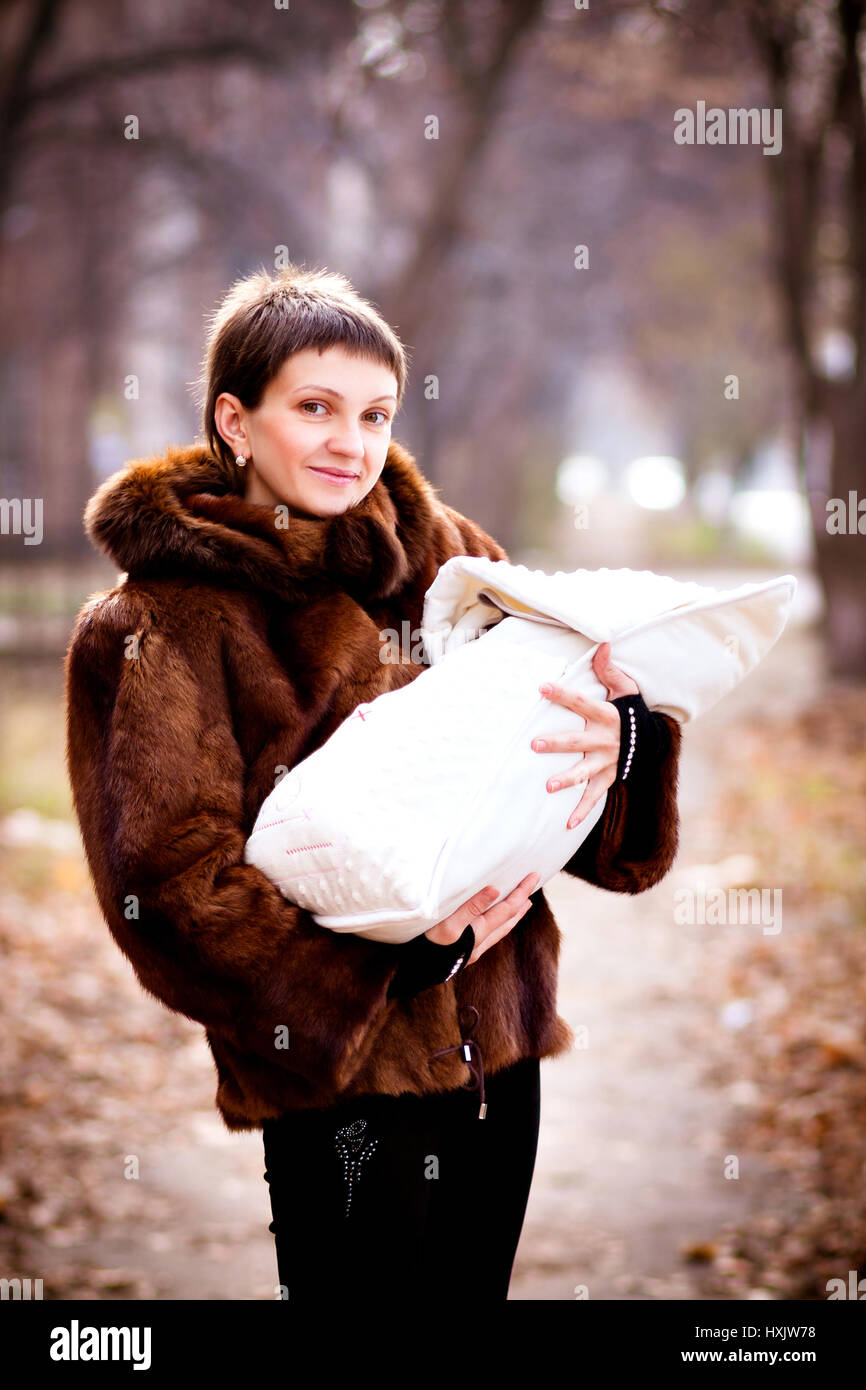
(686, 393)
(262, 131)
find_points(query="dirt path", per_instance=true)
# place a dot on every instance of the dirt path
(630, 1165)
(630, 1168)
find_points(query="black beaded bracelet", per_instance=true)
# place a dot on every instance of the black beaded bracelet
(643, 735)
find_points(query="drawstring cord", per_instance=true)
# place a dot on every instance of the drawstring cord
(466, 1046)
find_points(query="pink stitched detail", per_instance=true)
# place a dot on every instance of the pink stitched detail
(326, 844)
(281, 820)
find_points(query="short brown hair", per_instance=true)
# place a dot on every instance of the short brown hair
(264, 318)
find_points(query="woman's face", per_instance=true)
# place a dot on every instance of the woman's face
(319, 437)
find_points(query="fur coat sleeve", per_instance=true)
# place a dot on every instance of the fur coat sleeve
(158, 782)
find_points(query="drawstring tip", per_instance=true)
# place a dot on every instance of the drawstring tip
(466, 1047)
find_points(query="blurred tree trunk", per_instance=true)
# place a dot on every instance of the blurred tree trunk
(481, 85)
(833, 410)
(39, 30)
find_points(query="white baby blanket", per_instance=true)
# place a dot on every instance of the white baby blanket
(427, 793)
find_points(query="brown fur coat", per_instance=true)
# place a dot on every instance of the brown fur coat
(228, 651)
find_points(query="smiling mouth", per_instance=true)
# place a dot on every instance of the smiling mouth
(337, 474)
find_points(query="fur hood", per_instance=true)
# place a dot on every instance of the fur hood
(232, 645)
(181, 514)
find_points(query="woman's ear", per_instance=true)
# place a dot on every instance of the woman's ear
(227, 414)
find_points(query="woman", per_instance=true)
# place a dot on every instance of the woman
(262, 572)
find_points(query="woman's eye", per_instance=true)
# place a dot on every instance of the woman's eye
(310, 406)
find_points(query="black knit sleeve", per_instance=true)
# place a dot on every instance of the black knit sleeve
(425, 963)
(644, 739)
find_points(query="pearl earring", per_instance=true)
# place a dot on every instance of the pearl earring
(240, 461)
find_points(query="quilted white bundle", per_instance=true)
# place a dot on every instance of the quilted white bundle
(427, 793)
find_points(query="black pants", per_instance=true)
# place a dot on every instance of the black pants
(404, 1197)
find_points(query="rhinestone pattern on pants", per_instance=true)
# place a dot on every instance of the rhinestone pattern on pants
(349, 1143)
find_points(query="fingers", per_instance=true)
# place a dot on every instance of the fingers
(491, 940)
(620, 684)
(615, 680)
(494, 917)
(475, 905)
(595, 790)
(452, 927)
(478, 913)
(584, 742)
(497, 922)
(573, 700)
(583, 770)
(600, 746)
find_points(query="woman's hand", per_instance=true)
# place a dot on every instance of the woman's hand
(489, 924)
(599, 741)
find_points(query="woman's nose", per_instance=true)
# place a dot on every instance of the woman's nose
(347, 442)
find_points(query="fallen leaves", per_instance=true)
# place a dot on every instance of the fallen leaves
(797, 1002)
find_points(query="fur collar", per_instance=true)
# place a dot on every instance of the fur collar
(179, 514)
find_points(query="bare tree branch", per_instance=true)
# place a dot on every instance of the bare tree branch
(117, 68)
(449, 186)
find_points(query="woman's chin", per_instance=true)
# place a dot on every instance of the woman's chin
(317, 507)
(324, 499)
